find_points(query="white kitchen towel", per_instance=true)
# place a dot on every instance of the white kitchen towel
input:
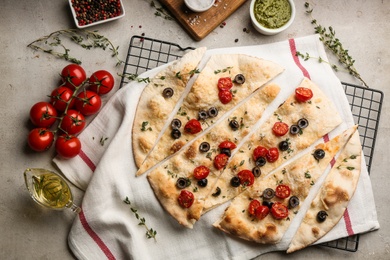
(105, 169)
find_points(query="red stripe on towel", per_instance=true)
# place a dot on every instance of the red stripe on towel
(348, 224)
(87, 160)
(95, 236)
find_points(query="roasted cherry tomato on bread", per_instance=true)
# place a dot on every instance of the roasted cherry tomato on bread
(259, 151)
(201, 172)
(227, 145)
(303, 94)
(225, 96)
(73, 76)
(272, 154)
(68, 146)
(60, 97)
(43, 114)
(40, 139)
(253, 205)
(225, 84)
(220, 161)
(193, 126)
(88, 102)
(279, 211)
(280, 128)
(282, 191)
(186, 198)
(101, 82)
(257, 210)
(246, 177)
(73, 122)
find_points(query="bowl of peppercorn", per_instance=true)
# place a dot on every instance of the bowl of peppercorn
(88, 13)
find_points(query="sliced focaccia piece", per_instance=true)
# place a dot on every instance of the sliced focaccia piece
(158, 99)
(264, 211)
(300, 121)
(188, 170)
(226, 80)
(333, 197)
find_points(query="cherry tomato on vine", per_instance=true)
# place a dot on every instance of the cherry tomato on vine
(73, 75)
(43, 114)
(68, 146)
(40, 139)
(303, 94)
(280, 128)
(60, 97)
(101, 82)
(88, 102)
(73, 122)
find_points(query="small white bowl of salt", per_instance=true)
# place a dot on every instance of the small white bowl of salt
(199, 5)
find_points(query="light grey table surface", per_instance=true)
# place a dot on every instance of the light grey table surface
(26, 76)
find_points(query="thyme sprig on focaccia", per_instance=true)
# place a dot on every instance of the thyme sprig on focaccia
(225, 80)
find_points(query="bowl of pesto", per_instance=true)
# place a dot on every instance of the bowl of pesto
(270, 17)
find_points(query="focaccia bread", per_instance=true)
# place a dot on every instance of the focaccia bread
(291, 185)
(203, 105)
(156, 102)
(329, 205)
(319, 117)
(179, 168)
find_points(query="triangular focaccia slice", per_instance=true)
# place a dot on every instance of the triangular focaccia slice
(333, 197)
(164, 177)
(299, 176)
(156, 102)
(321, 116)
(203, 105)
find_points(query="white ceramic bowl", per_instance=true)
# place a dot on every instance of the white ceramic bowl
(267, 31)
(199, 5)
(74, 14)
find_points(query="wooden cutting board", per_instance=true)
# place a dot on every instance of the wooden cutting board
(199, 25)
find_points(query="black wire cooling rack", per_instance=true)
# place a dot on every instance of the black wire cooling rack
(366, 103)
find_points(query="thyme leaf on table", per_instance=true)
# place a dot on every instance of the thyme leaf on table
(54, 44)
(150, 232)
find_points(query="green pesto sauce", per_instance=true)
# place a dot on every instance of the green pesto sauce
(272, 14)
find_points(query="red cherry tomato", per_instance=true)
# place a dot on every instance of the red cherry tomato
(40, 139)
(220, 161)
(193, 126)
(272, 155)
(60, 97)
(303, 94)
(225, 96)
(246, 177)
(201, 172)
(253, 205)
(186, 198)
(73, 122)
(259, 151)
(282, 191)
(101, 82)
(227, 145)
(43, 114)
(68, 146)
(280, 128)
(261, 212)
(279, 211)
(225, 84)
(73, 76)
(88, 102)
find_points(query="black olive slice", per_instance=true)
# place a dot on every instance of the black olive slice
(319, 154)
(204, 147)
(203, 115)
(283, 146)
(239, 79)
(293, 202)
(256, 171)
(202, 182)
(261, 161)
(235, 181)
(213, 112)
(182, 183)
(303, 123)
(226, 151)
(217, 192)
(176, 123)
(294, 129)
(267, 203)
(268, 193)
(234, 125)
(321, 216)
(175, 134)
(167, 92)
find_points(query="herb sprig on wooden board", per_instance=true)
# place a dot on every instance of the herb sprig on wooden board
(53, 43)
(150, 232)
(332, 43)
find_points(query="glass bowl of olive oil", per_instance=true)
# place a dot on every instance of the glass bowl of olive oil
(49, 189)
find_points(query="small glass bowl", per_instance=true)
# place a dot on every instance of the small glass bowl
(267, 31)
(194, 8)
